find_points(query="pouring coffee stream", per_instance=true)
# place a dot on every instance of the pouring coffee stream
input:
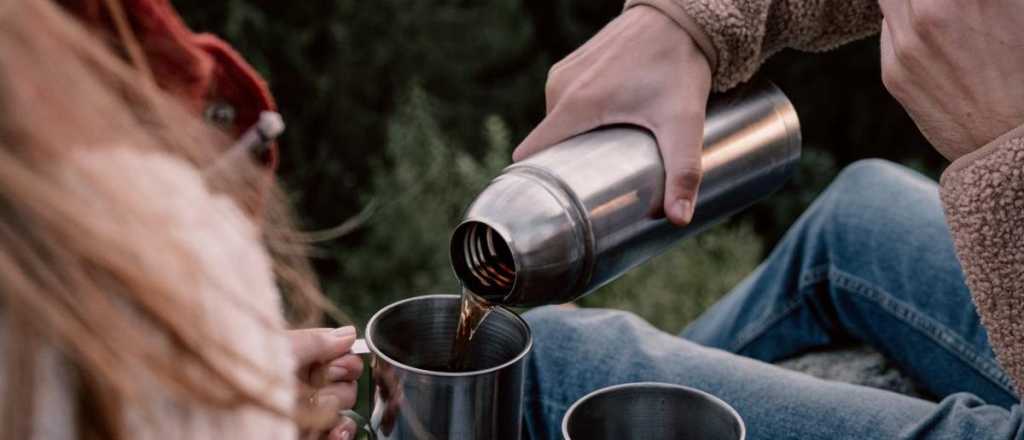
(472, 312)
(574, 217)
(490, 262)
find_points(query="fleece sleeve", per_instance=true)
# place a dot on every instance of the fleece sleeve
(739, 35)
(983, 196)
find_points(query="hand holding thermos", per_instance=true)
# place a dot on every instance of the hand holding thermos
(642, 69)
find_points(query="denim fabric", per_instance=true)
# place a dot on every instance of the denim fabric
(871, 261)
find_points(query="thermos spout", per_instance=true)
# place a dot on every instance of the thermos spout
(576, 216)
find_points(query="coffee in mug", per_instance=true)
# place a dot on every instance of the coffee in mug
(416, 395)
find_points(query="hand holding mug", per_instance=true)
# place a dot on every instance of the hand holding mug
(328, 373)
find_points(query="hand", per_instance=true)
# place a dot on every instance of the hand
(642, 69)
(328, 375)
(389, 398)
(957, 67)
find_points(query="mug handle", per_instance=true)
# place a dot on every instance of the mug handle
(360, 348)
(361, 422)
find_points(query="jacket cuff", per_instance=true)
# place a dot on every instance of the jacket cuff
(983, 196)
(1004, 141)
(675, 12)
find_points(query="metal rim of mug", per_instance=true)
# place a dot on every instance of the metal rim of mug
(613, 388)
(391, 361)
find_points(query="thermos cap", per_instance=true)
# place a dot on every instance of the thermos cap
(524, 218)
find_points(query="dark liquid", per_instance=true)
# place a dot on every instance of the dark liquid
(472, 312)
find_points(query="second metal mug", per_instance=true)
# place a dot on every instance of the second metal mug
(413, 398)
(652, 411)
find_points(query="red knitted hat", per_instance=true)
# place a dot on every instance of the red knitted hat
(200, 68)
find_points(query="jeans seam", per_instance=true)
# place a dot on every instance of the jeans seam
(810, 277)
(935, 331)
(950, 341)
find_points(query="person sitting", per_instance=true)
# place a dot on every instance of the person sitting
(140, 266)
(930, 275)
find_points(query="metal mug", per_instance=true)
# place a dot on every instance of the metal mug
(410, 342)
(576, 216)
(652, 411)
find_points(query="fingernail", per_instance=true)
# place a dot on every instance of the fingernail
(683, 210)
(336, 373)
(341, 332)
(345, 435)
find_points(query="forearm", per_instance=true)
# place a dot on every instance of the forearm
(739, 35)
(983, 195)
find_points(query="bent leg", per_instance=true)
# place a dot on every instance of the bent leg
(578, 351)
(871, 261)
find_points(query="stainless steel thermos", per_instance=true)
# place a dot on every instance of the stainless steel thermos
(576, 216)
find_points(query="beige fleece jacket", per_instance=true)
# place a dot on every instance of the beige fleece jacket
(982, 192)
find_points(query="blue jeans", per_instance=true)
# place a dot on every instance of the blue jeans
(871, 261)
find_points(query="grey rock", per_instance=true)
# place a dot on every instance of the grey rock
(857, 365)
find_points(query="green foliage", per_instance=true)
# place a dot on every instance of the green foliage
(419, 194)
(339, 68)
(405, 108)
(672, 289)
(420, 191)
(773, 215)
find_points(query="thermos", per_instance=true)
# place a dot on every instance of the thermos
(576, 216)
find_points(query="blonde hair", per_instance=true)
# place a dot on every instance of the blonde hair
(65, 280)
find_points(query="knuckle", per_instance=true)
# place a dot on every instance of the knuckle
(554, 69)
(892, 79)
(357, 368)
(581, 101)
(927, 17)
(894, 65)
(323, 342)
(308, 344)
(554, 84)
(907, 51)
(350, 395)
(352, 363)
(898, 82)
(550, 89)
(688, 111)
(338, 396)
(686, 177)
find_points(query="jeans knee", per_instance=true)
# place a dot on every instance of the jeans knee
(867, 195)
(866, 176)
(871, 186)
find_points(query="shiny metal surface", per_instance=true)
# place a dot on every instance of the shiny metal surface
(652, 411)
(574, 217)
(413, 398)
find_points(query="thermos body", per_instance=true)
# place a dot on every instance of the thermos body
(576, 216)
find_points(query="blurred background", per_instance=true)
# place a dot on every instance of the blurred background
(399, 111)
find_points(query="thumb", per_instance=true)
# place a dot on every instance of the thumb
(681, 146)
(321, 344)
(562, 123)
